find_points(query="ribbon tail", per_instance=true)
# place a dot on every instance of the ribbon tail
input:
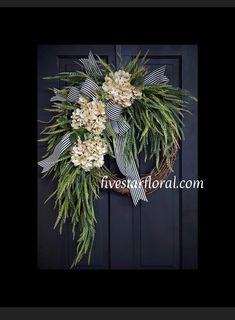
(137, 193)
(130, 171)
(50, 161)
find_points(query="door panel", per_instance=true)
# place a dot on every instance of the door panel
(159, 218)
(55, 251)
(160, 234)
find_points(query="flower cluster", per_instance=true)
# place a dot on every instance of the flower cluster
(119, 89)
(89, 153)
(90, 115)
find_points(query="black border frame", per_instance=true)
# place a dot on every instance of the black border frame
(212, 29)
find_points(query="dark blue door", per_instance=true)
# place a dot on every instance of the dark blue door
(160, 234)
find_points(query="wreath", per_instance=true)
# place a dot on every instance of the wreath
(102, 111)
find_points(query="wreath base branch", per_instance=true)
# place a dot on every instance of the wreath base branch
(156, 175)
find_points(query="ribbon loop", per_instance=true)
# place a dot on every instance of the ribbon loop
(113, 111)
(91, 66)
(73, 94)
(156, 76)
(89, 88)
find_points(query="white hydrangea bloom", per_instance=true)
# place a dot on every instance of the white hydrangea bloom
(89, 153)
(90, 115)
(119, 89)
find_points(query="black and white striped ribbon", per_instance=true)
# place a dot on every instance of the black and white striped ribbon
(91, 65)
(118, 122)
(129, 169)
(50, 161)
(113, 111)
(73, 94)
(156, 76)
(90, 88)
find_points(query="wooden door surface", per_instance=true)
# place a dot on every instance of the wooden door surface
(159, 234)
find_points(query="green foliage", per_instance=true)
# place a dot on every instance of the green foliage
(74, 199)
(137, 68)
(72, 78)
(156, 122)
